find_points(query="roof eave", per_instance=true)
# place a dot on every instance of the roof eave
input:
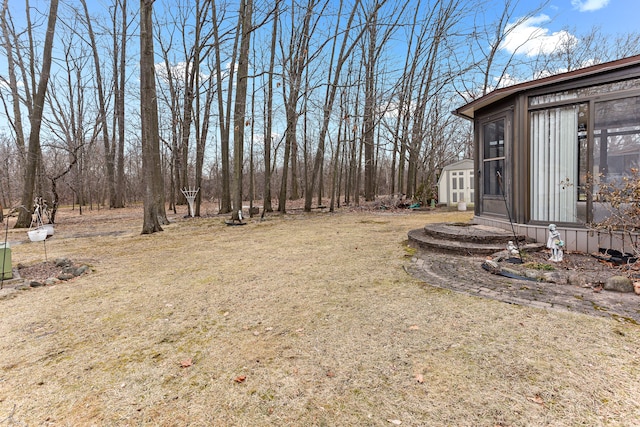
(468, 111)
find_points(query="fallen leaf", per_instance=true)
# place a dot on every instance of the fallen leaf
(186, 363)
(240, 379)
(419, 378)
(536, 399)
(395, 422)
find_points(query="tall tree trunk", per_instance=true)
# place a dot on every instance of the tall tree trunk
(201, 140)
(269, 113)
(246, 9)
(369, 119)
(335, 186)
(282, 197)
(202, 114)
(294, 194)
(120, 104)
(24, 217)
(224, 116)
(154, 211)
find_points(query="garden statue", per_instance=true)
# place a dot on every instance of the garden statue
(512, 249)
(555, 243)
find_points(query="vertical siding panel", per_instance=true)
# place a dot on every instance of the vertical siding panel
(592, 241)
(541, 235)
(616, 241)
(603, 240)
(570, 239)
(582, 241)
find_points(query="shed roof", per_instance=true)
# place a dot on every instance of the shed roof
(459, 165)
(468, 111)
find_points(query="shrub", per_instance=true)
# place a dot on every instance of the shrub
(620, 199)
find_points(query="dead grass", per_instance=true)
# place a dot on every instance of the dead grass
(317, 315)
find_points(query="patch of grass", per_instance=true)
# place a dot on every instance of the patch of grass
(371, 221)
(410, 251)
(539, 266)
(629, 320)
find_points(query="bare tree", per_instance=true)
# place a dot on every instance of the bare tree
(119, 81)
(246, 13)
(9, 39)
(269, 113)
(197, 113)
(109, 148)
(373, 45)
(347, 46)
(154, 210)
(71, 122)
(296, 61)
(577, 50)
(224, 115)
(33, 154)
(489, 59)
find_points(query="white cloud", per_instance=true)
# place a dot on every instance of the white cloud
(507, 80)
(530, 38)
(589, 5)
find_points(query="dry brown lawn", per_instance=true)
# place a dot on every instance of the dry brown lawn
(301, 320)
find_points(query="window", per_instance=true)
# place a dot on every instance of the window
(572, 94)
(554, 163)
(493, 158)
(616, 143)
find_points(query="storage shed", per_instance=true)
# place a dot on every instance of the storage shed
(456, 183)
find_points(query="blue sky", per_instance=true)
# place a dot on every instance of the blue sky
(558, 19)
(551, 23)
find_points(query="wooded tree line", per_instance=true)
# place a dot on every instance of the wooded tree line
(333, 101)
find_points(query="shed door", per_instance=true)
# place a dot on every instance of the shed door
(458, 187)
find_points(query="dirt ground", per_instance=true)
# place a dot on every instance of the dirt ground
(298, 319)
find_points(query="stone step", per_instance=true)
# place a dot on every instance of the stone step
(423, 240)
(472, 233)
